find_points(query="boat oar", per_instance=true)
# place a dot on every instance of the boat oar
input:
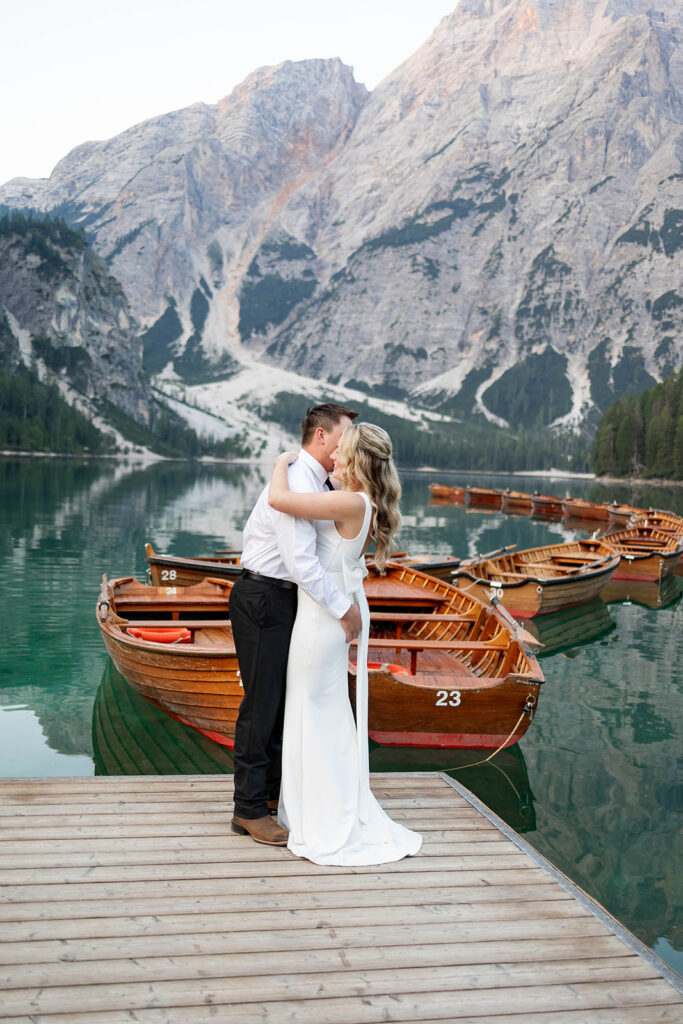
(518, 632)
(488, 554)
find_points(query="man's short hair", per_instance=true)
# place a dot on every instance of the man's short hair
(326, 416)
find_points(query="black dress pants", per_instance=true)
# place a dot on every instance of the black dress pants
(262, 616)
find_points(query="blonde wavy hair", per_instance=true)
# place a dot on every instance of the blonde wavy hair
(369, 466)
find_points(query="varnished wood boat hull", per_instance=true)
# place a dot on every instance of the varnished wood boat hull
(171, 570)
(199, 682)
(534, 597)
(544, 505)
(484, 497)
(667, 523)
(199, 687)
(575, 508)
(646, 568)
(443, 493)
(517, 503)
(646, 553)
(533, 582)
(622, 514)
(473, 699)
(441, 568)
(446, 711)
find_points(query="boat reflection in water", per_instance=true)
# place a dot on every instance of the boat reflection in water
(502, 783)
(130, 736)
(661, 593)
(573, 627)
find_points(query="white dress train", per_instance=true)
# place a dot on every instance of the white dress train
(325, 799)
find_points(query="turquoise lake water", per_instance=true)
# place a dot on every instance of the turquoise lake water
(595, 785)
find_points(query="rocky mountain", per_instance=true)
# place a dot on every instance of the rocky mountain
(495, 230)
(178, 205)
(66, 318)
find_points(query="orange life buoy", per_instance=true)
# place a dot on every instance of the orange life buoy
(163, 635)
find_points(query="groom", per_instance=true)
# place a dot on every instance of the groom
(277, 556)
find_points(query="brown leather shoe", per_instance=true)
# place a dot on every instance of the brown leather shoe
(273, 806)
(262, 830)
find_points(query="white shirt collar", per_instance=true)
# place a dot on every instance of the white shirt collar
(313, 464)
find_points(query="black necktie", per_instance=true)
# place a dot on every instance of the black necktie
(328, 484)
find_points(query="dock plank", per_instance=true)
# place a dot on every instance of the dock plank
(133, 897)
(549, 1005)
(160, 942)
(298, 984)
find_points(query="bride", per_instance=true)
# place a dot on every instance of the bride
(325, 798)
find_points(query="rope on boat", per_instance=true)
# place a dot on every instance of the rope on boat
(529, 705)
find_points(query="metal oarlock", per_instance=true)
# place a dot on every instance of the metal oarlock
(518, 632)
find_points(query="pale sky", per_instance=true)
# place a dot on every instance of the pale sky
(72, 71)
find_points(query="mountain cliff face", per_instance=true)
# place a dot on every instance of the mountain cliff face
(504, 227)
(496, 229)
(178, 205)
(66, 317)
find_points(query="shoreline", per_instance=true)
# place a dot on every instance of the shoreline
(146, 458)
(558, 474)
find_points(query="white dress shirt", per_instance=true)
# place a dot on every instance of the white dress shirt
(283, 546)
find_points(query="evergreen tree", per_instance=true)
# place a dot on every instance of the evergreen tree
(643, 435)
(677, 473)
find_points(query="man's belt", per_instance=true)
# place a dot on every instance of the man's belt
(287, 584)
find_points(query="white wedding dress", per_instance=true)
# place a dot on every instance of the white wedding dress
(325, 798)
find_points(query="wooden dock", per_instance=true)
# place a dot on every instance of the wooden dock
(129, 899)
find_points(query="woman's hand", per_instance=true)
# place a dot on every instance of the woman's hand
(286, 458)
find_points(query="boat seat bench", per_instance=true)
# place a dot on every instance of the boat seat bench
(175, 623)
(412, 617)
(415, 646)
(375, 616)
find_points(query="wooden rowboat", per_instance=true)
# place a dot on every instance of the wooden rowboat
(541, 580)
(186, 571)
(484, 496)
(165, 570)
(517, 502)
(183, 657)
(441, 568)
(645, 552)
(451, 671)
(440, 644)
(443, 493)
(667, 522)
(546, 505)
(622, 514)
(577, 508)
